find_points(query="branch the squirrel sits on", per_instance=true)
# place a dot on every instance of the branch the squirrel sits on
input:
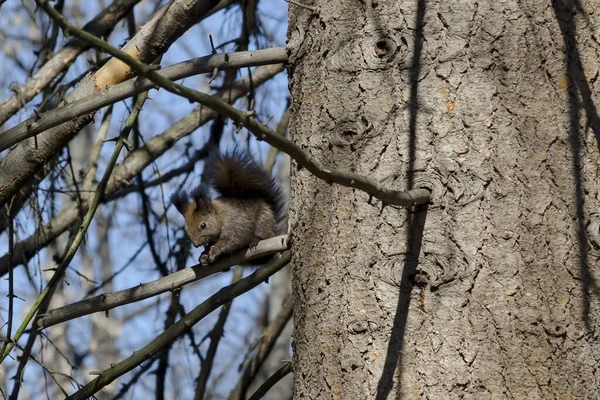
(249, 207)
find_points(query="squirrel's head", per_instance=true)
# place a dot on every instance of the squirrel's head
(201, 222)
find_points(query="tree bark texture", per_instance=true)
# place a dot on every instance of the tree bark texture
(492, 291)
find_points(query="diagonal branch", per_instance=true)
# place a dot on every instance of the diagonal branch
(223, 296)
(215, 335)
(101, 25)
(94, 102)
(80, 235)
(151, 40)
(174, 281)
(272, 381)
(264, 345)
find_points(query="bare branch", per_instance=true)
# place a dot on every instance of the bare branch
(11, 293)
(151, 40)
(101, 25)
(215, 337)
(174, 281)
(272, 381)
(349, 179)
(264, 345)
(81, 231)
(163, 363)
(97, 100)
(52, 373)
(180, 327)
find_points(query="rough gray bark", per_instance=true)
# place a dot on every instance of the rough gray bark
(488, 104)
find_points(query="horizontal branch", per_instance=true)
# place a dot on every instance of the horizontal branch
(174, 281)
(180, 327)
(94, 102)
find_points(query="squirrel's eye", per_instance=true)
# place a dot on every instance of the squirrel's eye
(203, 225)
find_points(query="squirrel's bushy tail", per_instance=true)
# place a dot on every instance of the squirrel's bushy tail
(236, 174)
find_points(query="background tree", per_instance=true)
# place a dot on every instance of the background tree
(490, 105)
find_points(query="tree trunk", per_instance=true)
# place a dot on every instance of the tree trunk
(492, 291)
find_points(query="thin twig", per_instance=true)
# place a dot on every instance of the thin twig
(11, 282)
(163, 362)
(297, 3)
(52, 373)
(141, 371)
(125, 387)
(272, 381)
(92, 163)
(163, 178)
(160, 265)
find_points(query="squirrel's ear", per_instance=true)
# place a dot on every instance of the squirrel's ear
(180, 200)
(201, 199)
(203, 205)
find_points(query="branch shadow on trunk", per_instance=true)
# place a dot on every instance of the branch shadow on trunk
(394, 351)
(415, 226)
(565, 13)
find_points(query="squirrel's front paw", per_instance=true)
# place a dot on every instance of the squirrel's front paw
(204, 260)
(212, 255)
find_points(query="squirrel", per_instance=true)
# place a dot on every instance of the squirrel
(249, 207)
